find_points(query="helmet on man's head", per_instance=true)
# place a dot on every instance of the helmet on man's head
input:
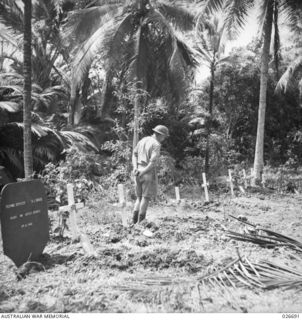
(163, 130)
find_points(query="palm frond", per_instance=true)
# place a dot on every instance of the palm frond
(82, 24)
(92, 132)
(118, 40)
(188, 54)
(203, 53)
(289, 79)
(108, 2)
(229, 60)
(179, 16)
(262, 274)
(9, 106)
(210, 36)
(177, 71)
(11, 78)
(49, 147)
(44, 10)
(236, 12)
(8, 36)
(291, 10)
(264, 237)
(72, 138)
(212, 6)
(139, 65)
(87, 51)
(12, 156)
(47, 96)
(209, 33)
(11, 15)
(14, 88)
(177, 54)
(277, 54)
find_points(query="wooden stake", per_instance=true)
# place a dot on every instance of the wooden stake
(72, 208)
(205, 186)
(231, 182)
(177, 194)
(76, 234)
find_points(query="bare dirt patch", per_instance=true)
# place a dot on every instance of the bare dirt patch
(159, 272)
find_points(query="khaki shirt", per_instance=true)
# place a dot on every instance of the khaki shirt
(147, 150)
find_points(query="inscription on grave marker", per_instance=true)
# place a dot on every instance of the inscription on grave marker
(24, 220)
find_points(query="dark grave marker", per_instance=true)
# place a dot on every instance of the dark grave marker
(24, 220)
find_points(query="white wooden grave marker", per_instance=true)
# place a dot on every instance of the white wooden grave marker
(72, 208)
(205, 186)
(263, 180)
(121, 194)
(242, 189)
(244, 178)
(177, 194)
(122, 203)
(72, 211)
(231, 182)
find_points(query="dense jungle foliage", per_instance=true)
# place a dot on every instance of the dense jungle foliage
(101, 67)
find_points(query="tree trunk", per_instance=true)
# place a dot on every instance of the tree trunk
(136, 120)
(259, 162)
(211, 95)
(137, 96)
(27, 144)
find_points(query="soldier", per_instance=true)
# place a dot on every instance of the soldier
(144, 159)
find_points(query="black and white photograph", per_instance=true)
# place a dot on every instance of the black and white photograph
(150, 159)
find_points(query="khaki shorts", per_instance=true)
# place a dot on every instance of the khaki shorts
(146, 185)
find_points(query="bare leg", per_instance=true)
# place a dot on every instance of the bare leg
(143, 208)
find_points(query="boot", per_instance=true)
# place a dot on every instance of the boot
(135, 217)
(142, 216)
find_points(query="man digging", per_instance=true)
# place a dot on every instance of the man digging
(144, 159)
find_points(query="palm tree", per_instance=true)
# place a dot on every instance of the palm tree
(47, 48)
(290, 79)
(210, 36)
(235, 13)
(27, 146)
(138, 45)
(48, 143)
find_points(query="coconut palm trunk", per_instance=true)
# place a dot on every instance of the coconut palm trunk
(136, 121)
(137, 96)
(258, 161)
(208, 140)
(27, 144)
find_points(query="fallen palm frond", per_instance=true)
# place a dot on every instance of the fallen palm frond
(240, 272)
(146, 284)
(264, 237)
(262, 274)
